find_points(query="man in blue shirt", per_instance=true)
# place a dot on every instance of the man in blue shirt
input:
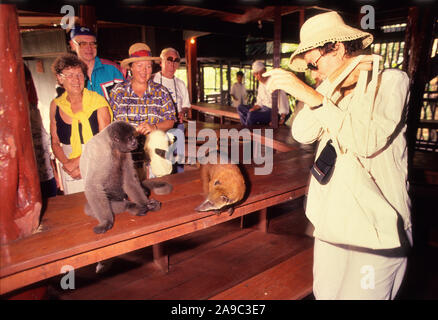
(102, 74)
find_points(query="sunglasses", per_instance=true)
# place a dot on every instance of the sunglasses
(313, 66)
(176, 60)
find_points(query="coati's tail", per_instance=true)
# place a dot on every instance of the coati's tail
(158, 187)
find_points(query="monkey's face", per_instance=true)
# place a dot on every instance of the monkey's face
(127, 143)
(123, 136)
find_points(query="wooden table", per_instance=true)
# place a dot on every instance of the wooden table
(67, 236)
(216, 110)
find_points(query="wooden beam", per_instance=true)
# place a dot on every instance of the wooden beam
(87, 17)
(21, 204)
(277, 57)
(191, 65)
(302, 12)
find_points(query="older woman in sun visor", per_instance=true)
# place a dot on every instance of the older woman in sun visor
(75, 116)
(361, 211)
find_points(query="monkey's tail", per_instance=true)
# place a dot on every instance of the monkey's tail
(158, 187)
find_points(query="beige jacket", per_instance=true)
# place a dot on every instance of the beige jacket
(385, 154)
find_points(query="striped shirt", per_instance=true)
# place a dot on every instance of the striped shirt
(153, 107)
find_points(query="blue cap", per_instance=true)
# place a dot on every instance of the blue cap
(81, 31)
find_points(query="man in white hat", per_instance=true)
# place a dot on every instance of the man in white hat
(361, 234)
(169, 61)
(261, 112)
(103, 74)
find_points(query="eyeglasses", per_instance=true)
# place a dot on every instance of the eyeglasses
(176, 60)
(71, 76)
(314, 66)
(83, 44)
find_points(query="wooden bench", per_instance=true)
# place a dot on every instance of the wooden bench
(282, 140)
(67, 237)
(216, 110)
(292, 279)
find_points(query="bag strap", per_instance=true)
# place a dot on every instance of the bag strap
(361, 91)
(343, 75)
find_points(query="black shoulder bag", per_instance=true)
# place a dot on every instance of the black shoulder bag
(323, 167)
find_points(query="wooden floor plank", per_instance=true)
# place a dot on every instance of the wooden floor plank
(290, 280)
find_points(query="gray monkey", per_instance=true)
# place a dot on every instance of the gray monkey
(111, 181)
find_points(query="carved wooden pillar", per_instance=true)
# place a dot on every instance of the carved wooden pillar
(19, 183)
(192, 68)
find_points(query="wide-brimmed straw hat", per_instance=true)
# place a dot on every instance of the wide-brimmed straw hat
(321, 29)
(139, 52)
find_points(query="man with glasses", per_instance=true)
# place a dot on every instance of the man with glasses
(170, 60)
(102, 74)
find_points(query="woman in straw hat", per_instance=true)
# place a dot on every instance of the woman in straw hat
(140, 101)
(361, 235)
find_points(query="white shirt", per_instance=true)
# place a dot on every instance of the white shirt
(177, 88)
(385, 155)
(264, 98)
(238, 90)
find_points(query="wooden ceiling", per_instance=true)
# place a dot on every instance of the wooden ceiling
(224, 17)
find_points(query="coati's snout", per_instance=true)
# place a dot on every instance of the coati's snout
(216, 204)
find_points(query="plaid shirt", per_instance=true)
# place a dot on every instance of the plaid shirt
(153, 107)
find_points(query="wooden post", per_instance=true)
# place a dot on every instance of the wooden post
(221, 82)
(228, 102)
(20, 190)
(277, 57)
(418, 44)
(161, 259)
(302, 11)
(87, 17)
(191, 65)
(201, 84)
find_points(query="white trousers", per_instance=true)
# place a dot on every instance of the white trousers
(342, 273)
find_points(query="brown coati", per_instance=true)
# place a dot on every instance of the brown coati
(224, 185)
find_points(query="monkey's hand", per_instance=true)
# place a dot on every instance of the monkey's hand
(280, 79)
